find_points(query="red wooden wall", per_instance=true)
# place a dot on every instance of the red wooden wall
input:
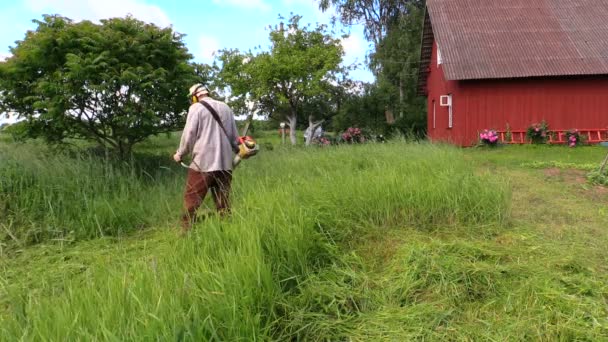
(564, 102)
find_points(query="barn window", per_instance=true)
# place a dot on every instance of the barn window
(439, 59)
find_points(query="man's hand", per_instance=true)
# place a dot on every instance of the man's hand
(177, 157)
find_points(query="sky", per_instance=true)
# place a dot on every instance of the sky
(209, 25)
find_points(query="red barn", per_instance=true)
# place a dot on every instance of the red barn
(490, 64)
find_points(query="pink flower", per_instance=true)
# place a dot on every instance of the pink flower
(537, 129)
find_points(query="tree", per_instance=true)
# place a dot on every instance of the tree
(397, 57)
(301, 65)
(394, 28)
(364, 110)
(376, 16)
(325, 106)
(114, 83)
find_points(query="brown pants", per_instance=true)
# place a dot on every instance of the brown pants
(197, 186)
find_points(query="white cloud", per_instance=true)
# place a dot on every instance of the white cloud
(353, 45)
(4, 56)
(248, 4)
(96, 10)
(208, 46)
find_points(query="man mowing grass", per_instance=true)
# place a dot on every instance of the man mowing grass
(210, 137)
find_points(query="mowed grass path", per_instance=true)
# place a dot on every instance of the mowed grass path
(541, 274)
(544, 278)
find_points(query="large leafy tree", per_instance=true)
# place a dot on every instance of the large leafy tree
(376, 16)
(397, 58)
(394, 28)
(301, 66)
(114, 83)
(363, 109)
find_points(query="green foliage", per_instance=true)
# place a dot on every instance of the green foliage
(46, 195)
(538, 133)
(508, 133)
(397, 59)
(296, 72)
(574, 138)
(377, 15)
(598, 178)
(114, 83)
(17, 131)
(395, 28)
(559, 165)
(230, 279)
(358, 243)
(363, 110)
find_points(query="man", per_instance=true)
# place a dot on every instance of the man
(211, 148)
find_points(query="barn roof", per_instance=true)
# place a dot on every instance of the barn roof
(482, 39)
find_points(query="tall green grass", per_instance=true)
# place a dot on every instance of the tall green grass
(295, 214)
(57, 196)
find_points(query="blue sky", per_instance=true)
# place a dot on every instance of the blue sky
(209, 24)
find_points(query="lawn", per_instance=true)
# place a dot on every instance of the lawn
(394, 241)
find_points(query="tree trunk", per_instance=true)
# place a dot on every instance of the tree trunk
(401, 96)
(292, 122)
(124, 150)
(310, 131)
(390, 118)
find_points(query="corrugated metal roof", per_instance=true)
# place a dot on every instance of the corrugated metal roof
(482, 39)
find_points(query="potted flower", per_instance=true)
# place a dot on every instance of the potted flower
(538, 133)
(488, 137)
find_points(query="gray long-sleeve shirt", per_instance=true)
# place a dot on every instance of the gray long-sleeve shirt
(204, 139)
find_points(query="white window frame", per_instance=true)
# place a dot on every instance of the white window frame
(446, 101)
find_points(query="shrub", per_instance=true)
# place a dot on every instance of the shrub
(488, 137)
(574, 138)
(323, 141)
(353, 135)
(508, 133)
(538, 133)
(598, 178)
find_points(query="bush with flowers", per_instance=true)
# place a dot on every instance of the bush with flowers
(574, 138)
(322, 141)
(488, 137)
(538, 133)
(353, 135)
